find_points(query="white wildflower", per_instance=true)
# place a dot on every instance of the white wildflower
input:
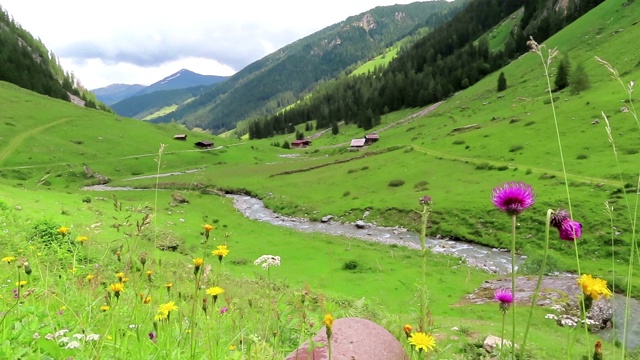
(267, 261)
(93, 337)
(78, 336)
(72, 345)
(60, 332)
(49, 336)
(551, 316)
(133, 326)
(63, 340)
(36, 336)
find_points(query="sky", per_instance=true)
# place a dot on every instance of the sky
(143, 41)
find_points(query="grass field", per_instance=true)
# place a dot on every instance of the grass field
(457, 154)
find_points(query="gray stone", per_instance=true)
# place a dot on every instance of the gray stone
(360, 224)
(353, 338)
(326, 218)
(492, 342)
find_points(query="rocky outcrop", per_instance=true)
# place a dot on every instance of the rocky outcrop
(353, 338)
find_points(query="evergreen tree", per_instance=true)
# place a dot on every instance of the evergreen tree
(502, 82)
(334, 128)
(562, 77)
(299, 135)
(579, 80)
(286, 145)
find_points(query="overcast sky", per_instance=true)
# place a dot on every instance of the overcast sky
(143, 41)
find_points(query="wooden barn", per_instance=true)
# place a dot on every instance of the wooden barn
(357, 143)
(204, 144)
(371, 138)
(296, 144)
(182, 137)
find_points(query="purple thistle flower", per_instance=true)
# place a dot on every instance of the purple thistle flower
(568, 229)
(223, 310)
(513, 197)
(505, 297)
(425, 200)
(153, 337)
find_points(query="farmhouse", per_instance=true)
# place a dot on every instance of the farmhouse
(371, 138)
(300, 143)
(182, 137)
(357, 143)
(204, 144)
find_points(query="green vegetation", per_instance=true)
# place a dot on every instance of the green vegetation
(457, 153)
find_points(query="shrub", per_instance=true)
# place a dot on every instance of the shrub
(502, 167)
(529, 171)
(482, 166)
(421, 185)
(351, 265)
(396, 183)
(582, 156)
(86, 199)
(516, 148)
(46, 232)
(346, 193)
(458, 142)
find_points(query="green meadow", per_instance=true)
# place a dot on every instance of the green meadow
(471, 143)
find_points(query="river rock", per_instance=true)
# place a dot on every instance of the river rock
(492, 342)
(360, 224)
(327, 218)
(353, 338)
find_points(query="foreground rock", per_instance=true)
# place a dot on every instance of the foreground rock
(353, 338)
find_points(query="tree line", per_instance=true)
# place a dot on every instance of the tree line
(449, 59)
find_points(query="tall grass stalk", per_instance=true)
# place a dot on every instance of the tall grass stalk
(546, 62)
(534, 298)
(424, 291)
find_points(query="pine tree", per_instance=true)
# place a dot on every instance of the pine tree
(334, 128)
(502, 82)
(562, 77)
(579, 80)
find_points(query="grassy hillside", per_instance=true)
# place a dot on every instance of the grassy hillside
(47, 143)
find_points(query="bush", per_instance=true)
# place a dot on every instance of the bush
(351, 265)
(46, 232)
(346, 193)
(582, 156)
(516, 148)
(458, 142)
(421, 185)
(86, 199)
(396, 183)
(482, 166)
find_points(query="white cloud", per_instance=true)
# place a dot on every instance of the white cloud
(142, 41)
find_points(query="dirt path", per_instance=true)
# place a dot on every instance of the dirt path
(15, 142)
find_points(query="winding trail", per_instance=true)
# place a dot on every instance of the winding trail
(15, 142)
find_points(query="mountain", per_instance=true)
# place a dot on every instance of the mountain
(115, 92)
(26, 62)
(280, 78)
(146, 105)
(180, 80)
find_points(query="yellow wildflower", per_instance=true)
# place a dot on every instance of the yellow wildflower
(22, 283)
(82, 239)
(215, 291)
(422, 341)
(90, 277)
(8, 259)
(165, 309)
(208, 228)
(63, 230)
(328, 321)
(220, 251)
(117, 288)
(104, 308)
(594, 287)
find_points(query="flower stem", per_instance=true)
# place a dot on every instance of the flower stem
(513, 285)
(504, 318)
(534, 299)
(424, 290)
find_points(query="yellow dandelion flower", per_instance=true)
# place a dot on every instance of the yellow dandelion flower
(422, 341)
(120, 275)
(8, 259)
(149, 272)
(90, 277)
(63, 230)
(166, 308)
(82, 239)
(22, 283)
(232, 347)
(104, 308)
(328, 320)
(197, 262)
(208, 227)
(220, 251)
(407, 329)
(117, 288)
(594, 287)
(124, 280)
(215, 290)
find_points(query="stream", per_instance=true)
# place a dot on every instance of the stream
(492, 260)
